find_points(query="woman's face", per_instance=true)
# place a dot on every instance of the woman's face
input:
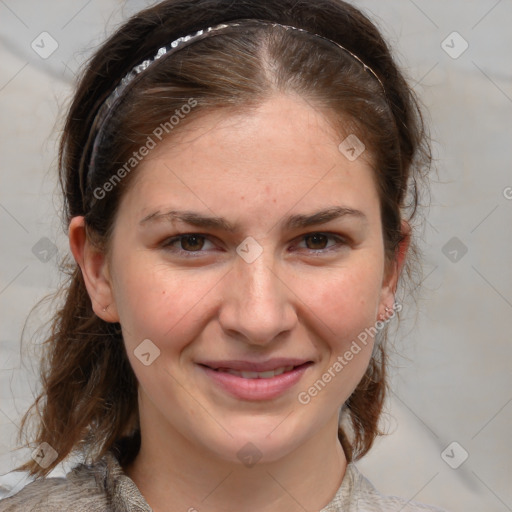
(262, 280)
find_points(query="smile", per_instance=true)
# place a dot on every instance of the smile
(252, 385)
(257, 375)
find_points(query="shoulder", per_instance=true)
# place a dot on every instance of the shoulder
(357, 493)
(82, 489)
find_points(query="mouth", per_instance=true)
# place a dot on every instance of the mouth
(255, 381)
(268, 374)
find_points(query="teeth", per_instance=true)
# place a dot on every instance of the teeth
(257, 375)
(250, 375)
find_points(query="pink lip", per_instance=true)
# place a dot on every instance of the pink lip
(256, 389)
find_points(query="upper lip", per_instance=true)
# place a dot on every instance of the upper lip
(249, 366)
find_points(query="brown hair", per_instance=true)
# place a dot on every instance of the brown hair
(89, 391)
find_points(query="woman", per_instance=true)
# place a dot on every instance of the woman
(239, 181)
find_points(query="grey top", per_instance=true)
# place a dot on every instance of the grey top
(104, 487)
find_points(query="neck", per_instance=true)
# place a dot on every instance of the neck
(171, 469)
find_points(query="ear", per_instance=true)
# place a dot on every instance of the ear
(95, 271)
(394, 270)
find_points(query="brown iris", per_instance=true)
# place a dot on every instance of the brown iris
(192, 242)
(317, 239)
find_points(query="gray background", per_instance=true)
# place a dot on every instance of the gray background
(451, 369)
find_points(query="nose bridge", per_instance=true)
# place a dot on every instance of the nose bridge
(259, 304)
(261, 278)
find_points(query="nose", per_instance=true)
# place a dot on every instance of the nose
(257, 305)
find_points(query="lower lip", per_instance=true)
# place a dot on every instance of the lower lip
(256, 389)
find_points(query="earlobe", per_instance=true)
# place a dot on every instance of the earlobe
(94, 266)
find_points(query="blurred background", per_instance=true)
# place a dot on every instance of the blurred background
(449, 414)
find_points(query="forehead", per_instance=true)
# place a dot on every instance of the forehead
(282, 153)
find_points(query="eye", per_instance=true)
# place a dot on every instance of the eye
(317, 242)
(190, 242)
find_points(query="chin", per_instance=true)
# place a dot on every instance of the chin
(257, 439)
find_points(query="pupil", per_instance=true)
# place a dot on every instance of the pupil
(318, 239)
(199, 242)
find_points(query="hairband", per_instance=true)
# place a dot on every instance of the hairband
(108, 107)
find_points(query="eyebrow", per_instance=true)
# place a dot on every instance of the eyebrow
(290, 223)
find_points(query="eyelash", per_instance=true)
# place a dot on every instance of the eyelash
(167, 244)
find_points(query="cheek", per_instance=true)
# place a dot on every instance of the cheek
(343, 307)
(346, 300)
(154, 302)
